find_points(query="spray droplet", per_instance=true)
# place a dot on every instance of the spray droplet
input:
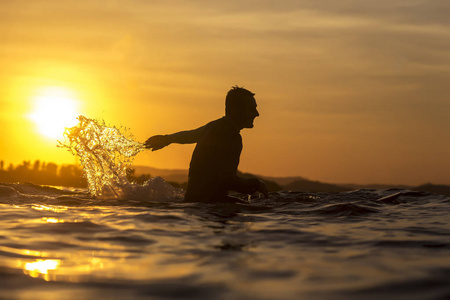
(104, 152)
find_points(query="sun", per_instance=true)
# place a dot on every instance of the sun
(55, 109)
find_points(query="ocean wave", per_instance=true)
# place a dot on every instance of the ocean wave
(303, 244)
(7, 192)
(344, 210)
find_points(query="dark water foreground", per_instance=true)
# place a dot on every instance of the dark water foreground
(365, 244)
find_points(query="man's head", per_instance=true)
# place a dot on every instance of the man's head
(240, 106)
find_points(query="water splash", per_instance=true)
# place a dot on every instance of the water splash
(104, 152)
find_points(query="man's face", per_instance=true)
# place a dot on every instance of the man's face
(249, 112)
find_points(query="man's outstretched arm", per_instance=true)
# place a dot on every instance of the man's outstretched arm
(183, 137)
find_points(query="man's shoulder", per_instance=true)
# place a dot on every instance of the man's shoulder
(221, 125)
(216, 122)
(221, 130)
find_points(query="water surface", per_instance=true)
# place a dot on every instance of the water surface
(365, 244)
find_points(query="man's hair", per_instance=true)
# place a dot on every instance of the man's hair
(235, 98)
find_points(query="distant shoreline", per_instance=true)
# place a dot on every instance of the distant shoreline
(72, 175)
(299, 183)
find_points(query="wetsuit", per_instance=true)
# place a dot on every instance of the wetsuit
(214, 163)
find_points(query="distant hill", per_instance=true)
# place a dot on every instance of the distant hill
(297, 183)
(282, 181)
(434, 189)
(306, 185)
(375, 186)
(273, 184)
(176, 175)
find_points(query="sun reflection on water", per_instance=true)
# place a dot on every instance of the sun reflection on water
(58, 208)
(41, 268)
(25, 252)
(52, 220)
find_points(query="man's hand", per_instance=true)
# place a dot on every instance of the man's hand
(157, 142)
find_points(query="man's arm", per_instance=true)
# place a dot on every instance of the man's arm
(183, 137)
(249, 186)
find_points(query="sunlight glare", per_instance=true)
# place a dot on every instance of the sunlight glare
(41, 267)
(55, 109)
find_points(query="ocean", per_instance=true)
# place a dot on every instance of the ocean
(64, 243)
(122, 240)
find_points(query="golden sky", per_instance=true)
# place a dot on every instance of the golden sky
(348, 91)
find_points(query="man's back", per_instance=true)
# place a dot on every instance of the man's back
(214, 162)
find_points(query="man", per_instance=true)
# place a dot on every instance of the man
(214, 163)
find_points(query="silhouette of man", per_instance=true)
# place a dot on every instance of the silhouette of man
(214, 162)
